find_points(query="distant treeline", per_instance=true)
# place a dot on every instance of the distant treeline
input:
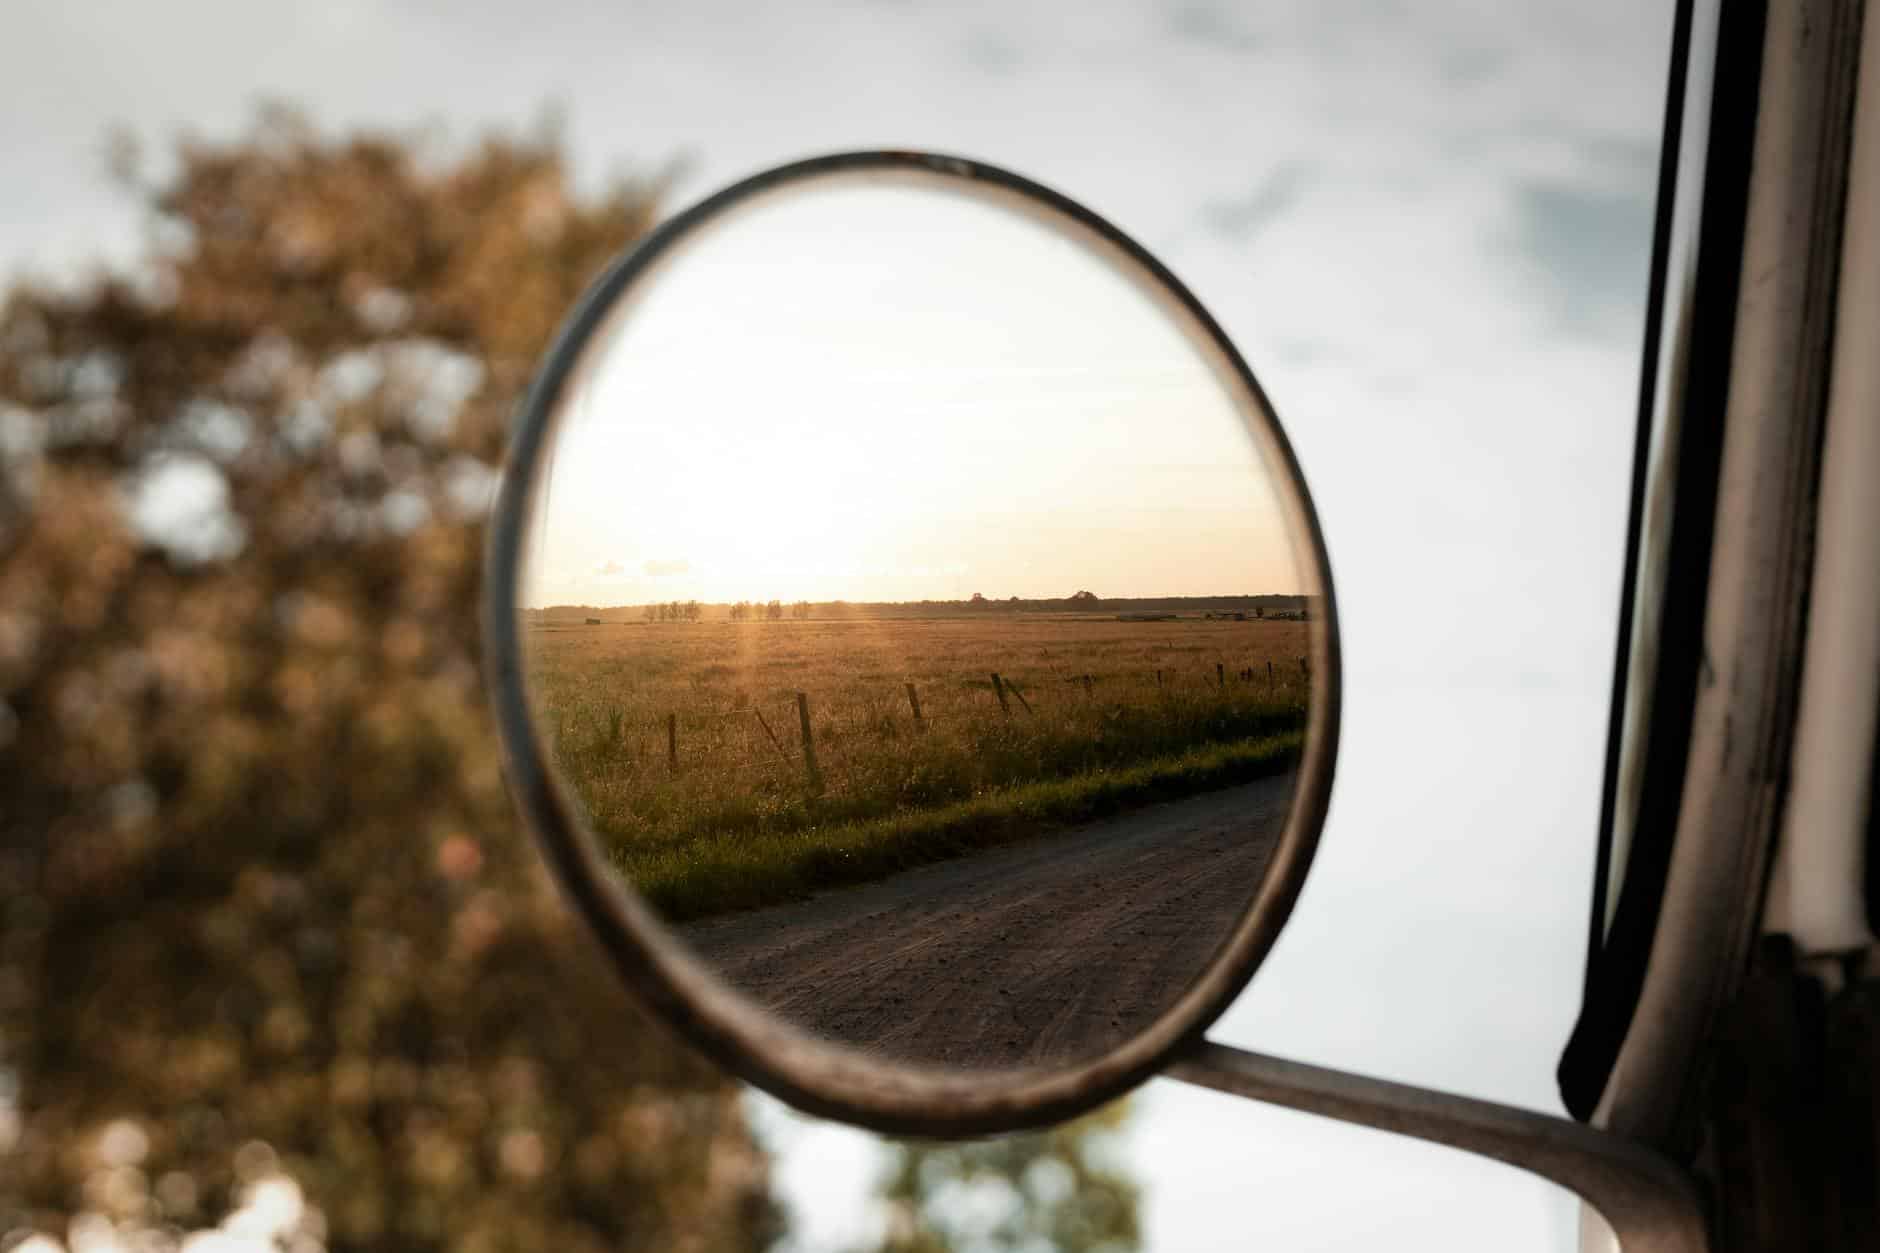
(1081, 603)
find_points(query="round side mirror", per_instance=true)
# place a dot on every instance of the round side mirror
(913, 644)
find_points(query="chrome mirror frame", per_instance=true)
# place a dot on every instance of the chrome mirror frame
(816, 1075)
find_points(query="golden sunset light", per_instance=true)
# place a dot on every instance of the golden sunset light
(870, 394)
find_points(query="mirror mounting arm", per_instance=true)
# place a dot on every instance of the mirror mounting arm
(1651, 1205)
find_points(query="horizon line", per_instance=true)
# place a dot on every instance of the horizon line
(959, 600)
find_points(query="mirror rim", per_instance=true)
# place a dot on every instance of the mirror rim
(821, 1077)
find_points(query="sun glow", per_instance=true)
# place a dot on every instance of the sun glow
(867, 392)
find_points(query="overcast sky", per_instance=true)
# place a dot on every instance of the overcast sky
(1426, 228)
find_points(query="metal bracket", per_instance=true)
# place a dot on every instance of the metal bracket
(1651, 1205)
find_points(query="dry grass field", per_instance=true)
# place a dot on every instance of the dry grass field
(686, 741)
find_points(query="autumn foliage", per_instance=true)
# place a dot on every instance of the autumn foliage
(263, 899)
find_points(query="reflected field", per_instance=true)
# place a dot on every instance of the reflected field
(927, 736)
(918, 831)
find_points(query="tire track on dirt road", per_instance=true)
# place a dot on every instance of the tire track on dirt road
(1043, 952)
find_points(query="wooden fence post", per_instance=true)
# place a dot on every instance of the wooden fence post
(1086, 685)
(1158, 678)
(1013, 689)
(1220, 673)
(913, 700)
(998, 690)
(1269, 675)
(672, 742)
(1305, 667)
(809, 744)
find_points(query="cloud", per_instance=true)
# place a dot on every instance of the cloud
(1464, 67)
(992, 53)
(1590, 246)
(609, 567)
(1213, 25)
(662, 569)
(1278, 192)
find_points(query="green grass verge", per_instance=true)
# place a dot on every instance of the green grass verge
(748, 869)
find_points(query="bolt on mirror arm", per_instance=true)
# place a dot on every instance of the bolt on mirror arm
(1651, 1206)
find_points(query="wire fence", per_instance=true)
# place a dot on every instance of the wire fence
(816, 745)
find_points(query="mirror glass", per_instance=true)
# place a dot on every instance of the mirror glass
(918, 606)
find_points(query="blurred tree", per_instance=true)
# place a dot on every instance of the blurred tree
(264, 905)
(1059, 1190)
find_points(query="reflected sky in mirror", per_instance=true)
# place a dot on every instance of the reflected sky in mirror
(880, 391)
